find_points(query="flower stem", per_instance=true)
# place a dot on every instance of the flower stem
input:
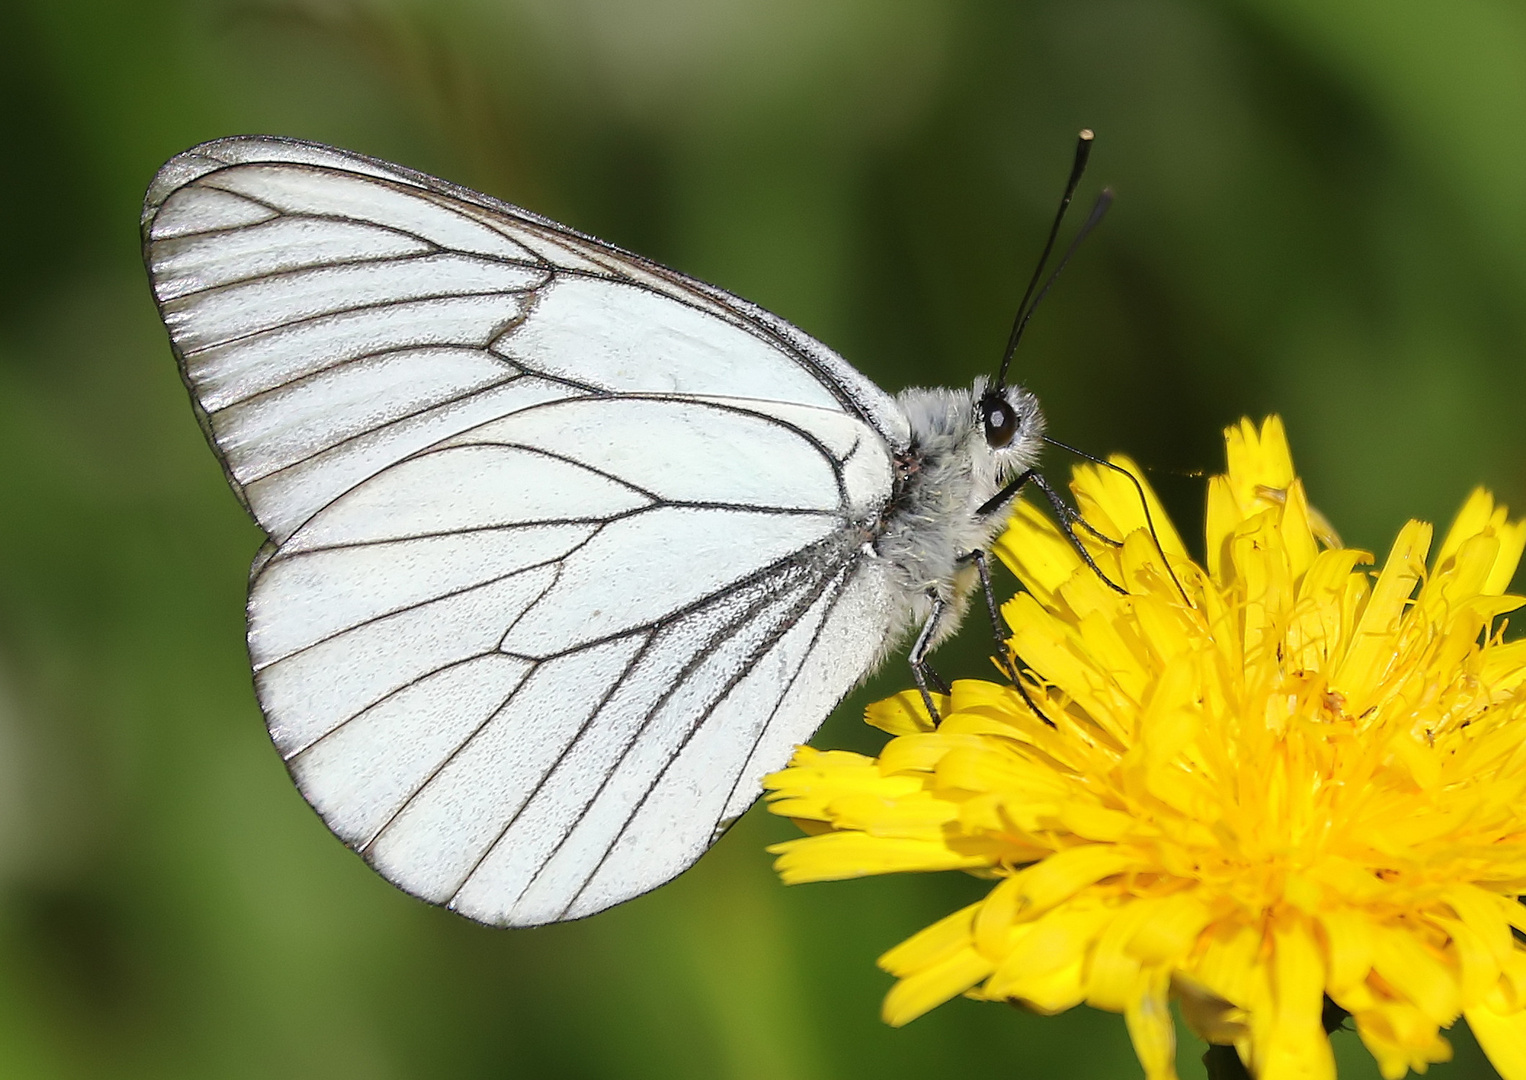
(1223, 1062)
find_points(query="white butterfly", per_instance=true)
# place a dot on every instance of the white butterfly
(567, 550)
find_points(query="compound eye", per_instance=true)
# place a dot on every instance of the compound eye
(1000, 420)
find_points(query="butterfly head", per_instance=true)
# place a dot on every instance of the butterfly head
(1011, 424)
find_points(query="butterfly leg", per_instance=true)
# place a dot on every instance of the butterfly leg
(1000, 632)
(1064, 514)
(921, 670)
(1069, 516)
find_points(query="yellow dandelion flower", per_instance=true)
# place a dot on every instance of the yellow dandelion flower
(1285, 779)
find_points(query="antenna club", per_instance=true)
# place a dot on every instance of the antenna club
(1087, 135)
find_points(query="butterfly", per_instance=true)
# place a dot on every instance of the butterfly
(566, 550)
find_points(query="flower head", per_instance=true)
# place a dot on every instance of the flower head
(1254, 784)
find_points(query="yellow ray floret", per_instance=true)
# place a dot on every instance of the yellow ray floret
(1255, 783)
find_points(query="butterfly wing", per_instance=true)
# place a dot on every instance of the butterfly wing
(567, 550)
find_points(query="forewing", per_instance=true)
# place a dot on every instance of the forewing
(334, 314)
(567, 547)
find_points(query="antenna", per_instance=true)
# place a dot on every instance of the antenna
(1099, 208)
(1024, 311)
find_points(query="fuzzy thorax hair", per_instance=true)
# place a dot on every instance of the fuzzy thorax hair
(947, 472)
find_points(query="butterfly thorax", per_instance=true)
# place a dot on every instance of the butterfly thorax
(945, 474)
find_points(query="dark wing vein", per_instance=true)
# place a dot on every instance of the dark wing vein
(379, 305)
(557, 561)
(374, 354)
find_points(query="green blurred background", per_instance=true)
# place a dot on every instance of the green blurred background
(1322, 212)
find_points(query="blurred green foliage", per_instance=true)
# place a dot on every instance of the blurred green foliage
(1322, 212)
